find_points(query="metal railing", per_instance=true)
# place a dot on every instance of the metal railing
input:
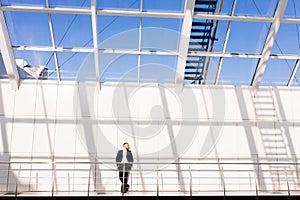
(197, 178)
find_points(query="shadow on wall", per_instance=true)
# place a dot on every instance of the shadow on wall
(8, 180)
(274, 137)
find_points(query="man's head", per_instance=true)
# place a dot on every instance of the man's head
(125, 145)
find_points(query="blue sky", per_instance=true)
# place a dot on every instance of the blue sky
(32, 29)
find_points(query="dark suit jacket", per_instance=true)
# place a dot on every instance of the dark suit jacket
(119, 158)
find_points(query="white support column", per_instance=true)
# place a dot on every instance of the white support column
(184, 42)
(293, 73)
(95, 38)
(8, 55)
(140, 43)
(262, 63)
(53, 43)
(225, 44)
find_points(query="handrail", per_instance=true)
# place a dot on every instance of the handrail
(223, 177)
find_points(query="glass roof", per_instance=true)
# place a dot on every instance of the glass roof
(144, 40)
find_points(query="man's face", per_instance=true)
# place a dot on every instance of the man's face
(126, 146)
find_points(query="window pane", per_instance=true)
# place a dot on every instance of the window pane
(247, 37)
(29, 29)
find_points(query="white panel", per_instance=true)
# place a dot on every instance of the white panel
(295, 96)
(245, 100)
(297, 138)
(22, 137)
(5, 132)
(65, 137)
(65, 99)
(232, 106)
(43, 142)
(103, 101)
(199, 94)
(227, 146)
(7, 96)
(26, 99)
(283, 99)
(46, 98)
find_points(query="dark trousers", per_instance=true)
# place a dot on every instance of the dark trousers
(125, 178)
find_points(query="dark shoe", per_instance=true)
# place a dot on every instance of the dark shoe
(127, 187)
(123, 188)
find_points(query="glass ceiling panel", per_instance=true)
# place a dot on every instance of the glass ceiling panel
(118, 67)
(158, 69)
(29, 29)
(23, 2)
(247, 37)
(220, 36)
(226, 6)
(118, 4)
(256, 7)
(65, 28)
(165, 5)
(277, 72)
(70, 63)
(292, 9)
(286, 34)
(161, 34)
(118, 32)
(70, 3)
(237, 71)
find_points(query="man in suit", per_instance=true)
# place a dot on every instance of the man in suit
(124, 161)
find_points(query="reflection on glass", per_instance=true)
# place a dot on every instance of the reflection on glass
(118, 4)
(256, 7)
(283, 45)
(158, 69)
(247, 37)
(28, 28)
(237, 71)
(70, 3)
(72, 30)
(23, 3)
(277, 72)
(165, 5)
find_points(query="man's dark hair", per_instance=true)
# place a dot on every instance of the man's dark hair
(125, 143)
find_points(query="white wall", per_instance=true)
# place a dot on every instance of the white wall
(73, 124)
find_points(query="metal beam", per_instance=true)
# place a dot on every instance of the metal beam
(84, 11)
(211, 47)
(262, 63)
(293, 73)
(140, 43)
(225, 44)
(184, 42)
(53, 43)
(159, 52)
(130, 13)
(95, 39)
(91, 50)
(8, 55)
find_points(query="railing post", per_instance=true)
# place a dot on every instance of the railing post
(157, 183)
(123, 185)
(53, 178)
(88, 194)
(37, 181)
(223, 182)
(191, 182)
(7, 180)
(288, 185)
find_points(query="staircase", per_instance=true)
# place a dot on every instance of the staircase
(277, 176)
(201, 35)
